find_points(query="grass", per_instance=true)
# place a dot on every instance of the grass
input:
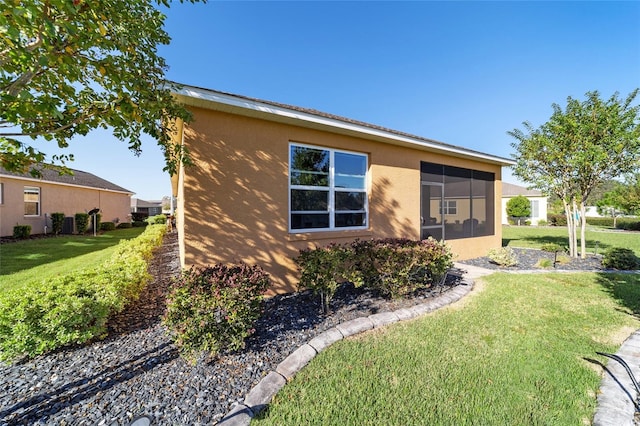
(518, 353)
(25, 261)
(535, 237)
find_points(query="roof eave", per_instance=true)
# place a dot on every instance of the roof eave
(208, 99)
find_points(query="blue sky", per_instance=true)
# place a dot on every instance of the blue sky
(464, 73)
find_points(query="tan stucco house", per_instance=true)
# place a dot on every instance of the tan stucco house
(270, 179)
(537, 199)
(26, 200)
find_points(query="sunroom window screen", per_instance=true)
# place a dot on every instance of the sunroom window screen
(327, 189)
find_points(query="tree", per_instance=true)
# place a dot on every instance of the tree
(70, 66)
(579, 148)
(519, 207)
(624, 198)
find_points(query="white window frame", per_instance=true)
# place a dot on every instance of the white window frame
(331, 189)
(33, 189)
(1, 193)
(449, 208)
(535, 208)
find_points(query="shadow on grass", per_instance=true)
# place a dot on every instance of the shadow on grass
(28, 254)
(593, 246)
(623, 287)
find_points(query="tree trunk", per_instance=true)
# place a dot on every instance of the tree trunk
(570, 228)
(583, 231)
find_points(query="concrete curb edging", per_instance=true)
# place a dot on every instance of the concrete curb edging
(260, 395)
(617, 394)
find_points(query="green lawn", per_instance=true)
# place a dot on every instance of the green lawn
(25, 261)
(515, 353)
(535, 237)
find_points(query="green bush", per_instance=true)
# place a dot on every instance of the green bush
(557, 219)
(323, 269)
(606, 222)
(159, 219)
(503, 256)
(139, 224)
(57, 220)
(139, 216)
(393, 267)
(107, 226)
(21, 232)
(620, 258)
(542, 222)
(82, 222)
(397, 267)
(74, 308)
(215, 308)
(551, 247)
(124, 225)
(628, 225)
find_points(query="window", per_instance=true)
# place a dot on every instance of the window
(466, 198)
(449, 207)
(535, 208)
(327, 189)
(31, 201)
(1, 193)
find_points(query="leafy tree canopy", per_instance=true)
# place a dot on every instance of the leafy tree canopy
(579, 148)
(70, 66)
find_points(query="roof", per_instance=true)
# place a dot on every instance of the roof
(78, 178)
(511, 190)
(137, 202)
(311, 118)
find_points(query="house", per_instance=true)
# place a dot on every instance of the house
(537, 199)
(269, 179)
(26, 200)
(150, 208)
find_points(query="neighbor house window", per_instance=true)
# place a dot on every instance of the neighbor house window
(327, 189)
(449, 207)
(535, 208)
(1, 193)
(31, 201)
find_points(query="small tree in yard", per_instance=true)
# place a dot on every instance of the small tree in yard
(579, 148)
(519, 207)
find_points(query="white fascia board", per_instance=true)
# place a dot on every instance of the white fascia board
(50, 182)
(280, 113)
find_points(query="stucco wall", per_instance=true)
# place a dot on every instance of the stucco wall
(233, 202)
(57, 199)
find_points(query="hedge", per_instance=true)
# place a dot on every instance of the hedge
(74, 308)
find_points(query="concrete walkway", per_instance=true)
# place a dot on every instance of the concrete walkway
(616, 396)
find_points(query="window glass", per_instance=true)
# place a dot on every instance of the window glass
(327, 188)
(31, 201)
(309, 166)
(350, 170)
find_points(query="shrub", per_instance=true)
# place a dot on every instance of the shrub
(628, 225)
(620, 258)
(542, 222)
(57, 221)
(544, 263)
(600, 221)
(503, 256)
(74, 308)
(21, 232)
(518, 207)
(397, 267)
(551, 247)
(82, 222)
(214, 308)
(139, 224)
(159, 219)
(139, 216)
(322, 270)
(557, 219)
(124, 225)
(107, 226)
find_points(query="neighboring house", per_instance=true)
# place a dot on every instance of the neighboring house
(538, 202)
(151, 208)
(270, 179)
(25, 200)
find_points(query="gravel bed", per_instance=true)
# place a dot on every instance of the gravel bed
(137, 370)
(528, 260)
